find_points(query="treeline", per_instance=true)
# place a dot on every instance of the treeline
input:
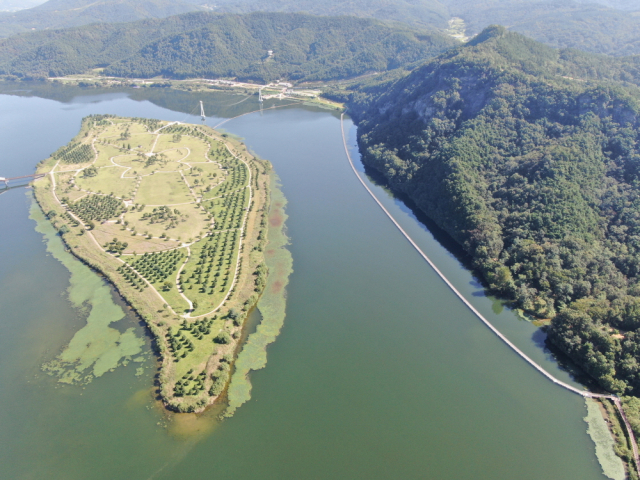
(304, 47)
(582, 25)
(536, 176)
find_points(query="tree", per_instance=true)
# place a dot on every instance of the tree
(167, 286)
(222, 338)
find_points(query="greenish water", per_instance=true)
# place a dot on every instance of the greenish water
(272, 304)
(379, 371)
(97, 347)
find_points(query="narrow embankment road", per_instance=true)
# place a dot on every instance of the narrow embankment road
(584, 393)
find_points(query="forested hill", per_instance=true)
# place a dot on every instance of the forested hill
(599, 26)
(535, 175)
(305, 47)
(73, 13)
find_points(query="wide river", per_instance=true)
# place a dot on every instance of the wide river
(380, 372)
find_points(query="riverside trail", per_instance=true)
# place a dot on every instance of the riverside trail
(584, 393)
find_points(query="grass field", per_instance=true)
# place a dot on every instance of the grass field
(65, 187)
(202, 175)
(176, 154)
(163, 189)
(142, 142)
(106, 232)
(198, 148)
(188, 221)
(143, 165)
(108, 180)
(104, 155)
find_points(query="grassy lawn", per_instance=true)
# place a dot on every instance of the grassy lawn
(138, 141)
(108, 181)
(143, 165)
(66, 188)
(188, 222)
(142, 142)
(106, 232)
(196, 146)
(176, 154)
(163, 189)
(104, 155)
(203, 175)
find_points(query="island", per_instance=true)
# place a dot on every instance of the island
(174, 215)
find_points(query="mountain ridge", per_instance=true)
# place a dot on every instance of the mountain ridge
(202, 44)
(56, 14)
(536, 176)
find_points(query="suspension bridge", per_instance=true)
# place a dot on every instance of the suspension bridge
(6, 181)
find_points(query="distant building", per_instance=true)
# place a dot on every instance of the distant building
(270, 53)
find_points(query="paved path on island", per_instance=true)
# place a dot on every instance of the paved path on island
(584, 393)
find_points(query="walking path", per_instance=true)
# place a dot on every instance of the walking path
(584, 393)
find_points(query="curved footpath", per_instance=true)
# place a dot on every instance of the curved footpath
(584, 393)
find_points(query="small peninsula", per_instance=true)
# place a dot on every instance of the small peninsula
(175, 216)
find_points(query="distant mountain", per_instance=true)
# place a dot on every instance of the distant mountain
(70, 13)
(530, 158)
(588, 27)
(419, 13)
(629, 5)
(305, 47)
(599, 26)
(15, 5)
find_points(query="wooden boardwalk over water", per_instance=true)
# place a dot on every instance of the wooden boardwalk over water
(584, 393)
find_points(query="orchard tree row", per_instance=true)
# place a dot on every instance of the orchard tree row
(232, 209)
(74, 153)
(213, 269)
(97, 207)
(132, 277)
(157, 267)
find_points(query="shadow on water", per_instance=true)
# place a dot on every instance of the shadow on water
(454, 249)
(427, 224)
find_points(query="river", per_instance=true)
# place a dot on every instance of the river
(379, 372)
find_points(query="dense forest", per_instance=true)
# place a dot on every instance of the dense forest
(305, 47)
(598, 26)
(536, 175)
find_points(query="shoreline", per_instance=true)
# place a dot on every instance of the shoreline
(585, 393)
(150, 308)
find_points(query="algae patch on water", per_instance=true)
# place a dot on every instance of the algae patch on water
(97, 347)
(271, 305)
(611, 464)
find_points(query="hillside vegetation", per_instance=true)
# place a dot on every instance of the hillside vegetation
(535, 175)
(73, 13)
(595, 26)
(603, 26)
(305, 47)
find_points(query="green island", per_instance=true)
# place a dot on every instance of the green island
(175, 216)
